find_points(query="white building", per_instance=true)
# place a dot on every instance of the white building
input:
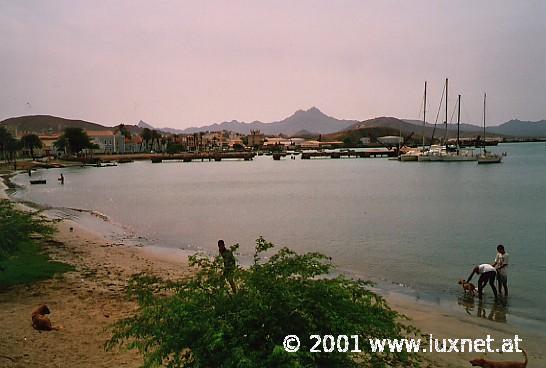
(108, 141)
(365, 140)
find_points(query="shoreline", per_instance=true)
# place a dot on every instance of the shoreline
(93, 254)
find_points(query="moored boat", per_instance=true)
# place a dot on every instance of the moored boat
(487, 157)
(409, 156)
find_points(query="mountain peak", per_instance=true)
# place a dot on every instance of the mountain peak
(143, 124)
(313, 111)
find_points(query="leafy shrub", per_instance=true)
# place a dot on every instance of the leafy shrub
(199, 322)
(16, 228)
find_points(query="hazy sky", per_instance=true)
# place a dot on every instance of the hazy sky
(187, 63)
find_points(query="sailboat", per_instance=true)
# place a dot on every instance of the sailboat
(413, 154)
(436, 152)
(487, 157)
(457, 154)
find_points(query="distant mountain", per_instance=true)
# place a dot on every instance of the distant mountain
(518, 128)
(142, 124)
(234, 126)
(381, 126)
(304, 134)
(313, 121)
(303, 123)
(47, 124)
(512, 128)
(463, 126)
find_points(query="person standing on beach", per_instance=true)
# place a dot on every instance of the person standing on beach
(229, 263)
(487, 274)
(61, 179)
(501, 265)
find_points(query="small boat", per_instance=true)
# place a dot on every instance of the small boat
(488, 157)
(41, 181)
(455, 153)
(409, 157)
(435, 153)
(414, 154)
(107, 164)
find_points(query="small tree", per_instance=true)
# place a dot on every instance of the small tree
(155, 136)
(173, 148)
(16, 228)
(5, 136)
(74, 140)
(12, 146)
(146, 135)
(124, 131)
(30, 142)
(200, 322)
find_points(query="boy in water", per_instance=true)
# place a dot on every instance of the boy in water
(229, 263)
(487, 275)
(501, 265)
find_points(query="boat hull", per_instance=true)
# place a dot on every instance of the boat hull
(458, 158)
(489, 159)
(409, 157)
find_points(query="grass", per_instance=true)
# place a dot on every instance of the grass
(22, 260)
(27, 265)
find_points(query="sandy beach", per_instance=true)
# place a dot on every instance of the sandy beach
(86, 301)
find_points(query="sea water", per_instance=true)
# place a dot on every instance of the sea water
(419, 225)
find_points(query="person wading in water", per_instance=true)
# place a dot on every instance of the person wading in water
(229, 263)
(487, 275)
(501, 265)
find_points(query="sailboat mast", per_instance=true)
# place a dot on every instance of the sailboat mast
(458, 119)
(424, 115)
(445, 138)
(484, 99)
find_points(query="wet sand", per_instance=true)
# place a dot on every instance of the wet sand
(84, 302)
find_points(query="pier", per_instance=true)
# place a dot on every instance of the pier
(349, 154)
(202, 156)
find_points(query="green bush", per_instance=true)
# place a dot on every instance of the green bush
(21, 258)
(16, 228)
(200, 322)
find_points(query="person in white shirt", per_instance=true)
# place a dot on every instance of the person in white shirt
(487, 275)
(501, 265)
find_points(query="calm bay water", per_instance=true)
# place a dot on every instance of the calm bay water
(423, 225)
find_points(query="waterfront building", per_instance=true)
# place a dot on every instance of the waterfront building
(255, 138)
(108, 141)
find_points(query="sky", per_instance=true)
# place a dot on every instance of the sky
(191, 63)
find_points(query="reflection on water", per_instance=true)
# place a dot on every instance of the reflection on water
(495, 310)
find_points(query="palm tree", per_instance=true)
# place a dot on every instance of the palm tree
(146, 135)
(155, 138)
(4, 137)
(124, 131)
(31, 141)
(12, 145)
(73, 141)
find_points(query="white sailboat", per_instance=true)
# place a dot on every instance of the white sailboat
(487, 157)
(436, 152)
(413, 154)
(458, 154)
